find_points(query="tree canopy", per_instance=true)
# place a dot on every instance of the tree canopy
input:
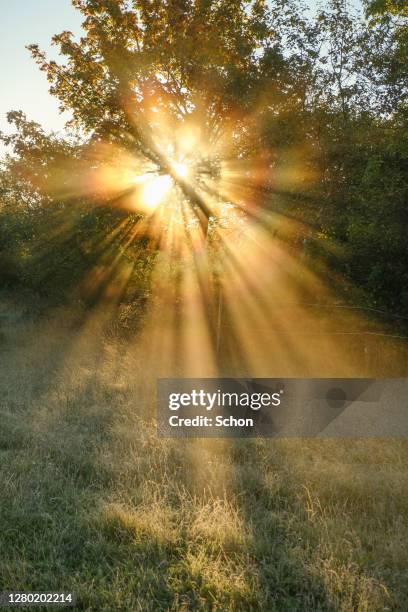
(257, 104)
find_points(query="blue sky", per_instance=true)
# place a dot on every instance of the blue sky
(23, 86)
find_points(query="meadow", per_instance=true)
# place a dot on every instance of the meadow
(227, 198)
(95, 503)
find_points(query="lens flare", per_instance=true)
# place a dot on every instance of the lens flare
(181, 169)
(155, 190)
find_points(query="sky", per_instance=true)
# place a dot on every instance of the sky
(23, 86)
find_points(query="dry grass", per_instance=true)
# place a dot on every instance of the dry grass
(95, 503)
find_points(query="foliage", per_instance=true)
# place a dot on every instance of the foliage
(320, 100)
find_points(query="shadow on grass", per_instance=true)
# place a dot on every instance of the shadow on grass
(113, 514)
(95, 503)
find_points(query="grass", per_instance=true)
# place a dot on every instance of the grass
(93, 502)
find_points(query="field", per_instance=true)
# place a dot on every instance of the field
(204, 189)
(94, 503)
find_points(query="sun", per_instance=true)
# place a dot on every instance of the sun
(155, 190)
(181, 169)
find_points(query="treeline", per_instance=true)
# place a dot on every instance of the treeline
(322, 98)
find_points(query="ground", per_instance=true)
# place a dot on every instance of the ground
(94, 503)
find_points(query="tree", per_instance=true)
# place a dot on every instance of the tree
(249, 103)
